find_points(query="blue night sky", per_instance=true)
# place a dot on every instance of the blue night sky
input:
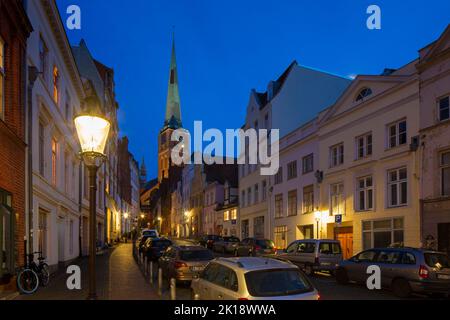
(226, 48)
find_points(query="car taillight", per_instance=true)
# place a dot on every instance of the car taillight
(179, 264)
(257, 248)
(243, 299)
(423, 272)
(318, 296)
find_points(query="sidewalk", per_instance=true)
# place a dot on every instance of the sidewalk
(118, 278)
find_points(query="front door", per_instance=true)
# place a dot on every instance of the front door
(444, 237)
(345, 237)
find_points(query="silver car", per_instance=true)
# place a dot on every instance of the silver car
(226, 244)
(404, 270)
(314, 255)
(252, 278)
(184, 262)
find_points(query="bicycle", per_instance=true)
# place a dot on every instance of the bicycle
(32, 275)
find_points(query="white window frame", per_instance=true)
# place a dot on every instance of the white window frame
(397, 134)
(337, 197)
(398, 184)
(366, 190)
(337, 155)
(366, 151)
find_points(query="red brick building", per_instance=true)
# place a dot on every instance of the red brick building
(14, 31)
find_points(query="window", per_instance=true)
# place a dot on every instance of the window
(444, 109)
(397, 134)
(292, 203)
(243, 198)
(258, 228)
(292, 170)
(264, 190)
(67, 111)
(382, 233)
(256, 193)
(234, 214)
(41, 149)
(306, 247)
(281, 237)
(397, 187)
(54, 160)
(336, 155)
(366, 256)
(308, 163)
(308, 199)
(337, 200)
(279, 176)
(364, 146)
(43, 57)
(445, 173)
(364, 194)
(389, 257)
(2, 79)
(226, 215)
(56, 84)
(66, 172)
(307, 231)
(364, 93)
(42, 232)
(279, 206)
(249, 196)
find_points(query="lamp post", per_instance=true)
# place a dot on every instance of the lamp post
(318, 217)
(92, 129)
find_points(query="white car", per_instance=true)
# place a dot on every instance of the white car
(252, 278)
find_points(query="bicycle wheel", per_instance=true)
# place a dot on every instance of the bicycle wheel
(44, 274)
(27, 281)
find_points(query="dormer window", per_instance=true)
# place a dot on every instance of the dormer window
(364, 93)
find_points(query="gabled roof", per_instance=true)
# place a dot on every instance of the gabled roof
(434, 49)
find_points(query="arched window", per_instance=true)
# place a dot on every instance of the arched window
(363, 94)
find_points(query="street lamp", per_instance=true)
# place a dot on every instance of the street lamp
(318, 217)
(92, 130)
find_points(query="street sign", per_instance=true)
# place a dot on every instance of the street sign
(338, 218)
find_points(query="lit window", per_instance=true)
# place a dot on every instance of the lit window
(364, 93)
(55, 84)
(54, 161)
(337, 204)
(397, 134)
(226, 215)
(234, 214)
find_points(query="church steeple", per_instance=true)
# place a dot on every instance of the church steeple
(173, 112)
(143, 173)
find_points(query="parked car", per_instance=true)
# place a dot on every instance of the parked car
(404, 270)
(226, 244)
(208, 240)
(254, 278)
(254, 247)
(150, 232)
(314, 255)
(153, 248)
(183, 262)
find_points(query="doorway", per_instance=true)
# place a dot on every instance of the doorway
(345, 237)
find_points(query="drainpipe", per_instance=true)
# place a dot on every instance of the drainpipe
(33, 73)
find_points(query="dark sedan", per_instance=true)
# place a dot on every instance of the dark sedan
(154, 248)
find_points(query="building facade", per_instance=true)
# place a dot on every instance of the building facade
(434, 144)
(15, 28)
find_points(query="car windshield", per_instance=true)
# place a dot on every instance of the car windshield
(329, 248)
(437, 260)
(265, 243)
(161, 243)
(272, 283)
(196, 255)
(149, 233)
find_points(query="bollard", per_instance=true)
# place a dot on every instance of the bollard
(173, 289)
(151, 272)
(160, 281)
